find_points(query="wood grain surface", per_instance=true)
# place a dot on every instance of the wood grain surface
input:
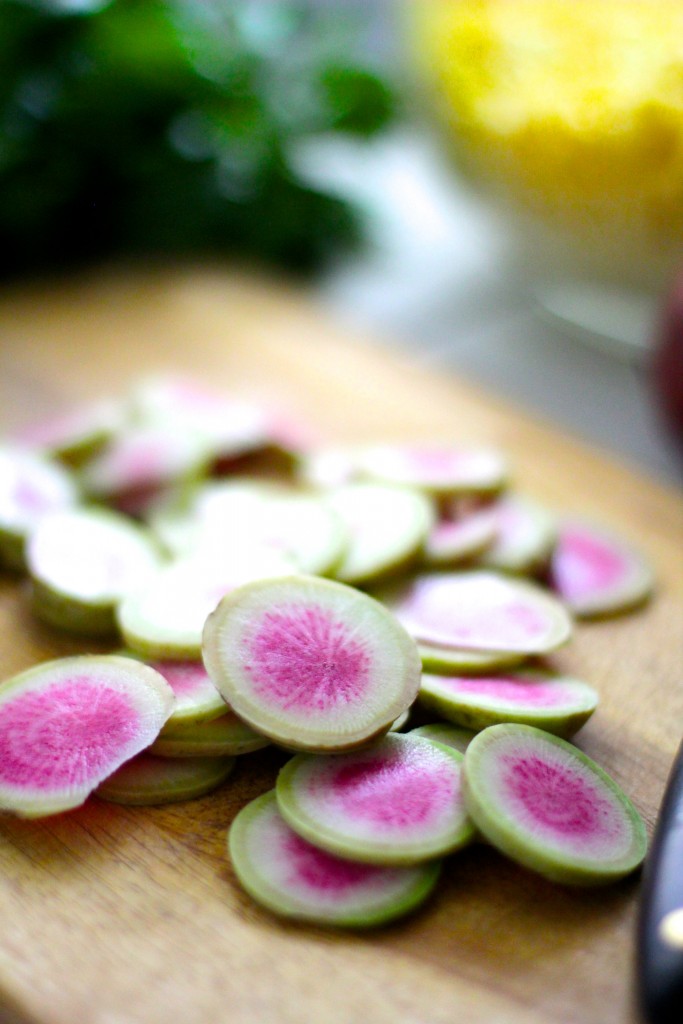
(117, 915)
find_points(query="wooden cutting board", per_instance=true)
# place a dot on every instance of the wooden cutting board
(118, 916)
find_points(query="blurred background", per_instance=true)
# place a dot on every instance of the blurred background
(495, 185)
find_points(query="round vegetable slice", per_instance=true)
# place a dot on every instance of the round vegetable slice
(399, 802)
(526, 533)
(438, 469)
(546, 805)
(31, 486)
(147, 780)
(294, 879)
(558, 704)
(68, 724)
(446, 734)
(480, 611)
(75, 436)
(314, 665)
(454, 540)
(386, 527)
(82, 563)
(455, 660)
(597, 573)
(165, 618)
(196, 698)
(226, 736)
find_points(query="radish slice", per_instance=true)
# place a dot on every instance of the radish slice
(438, 469)
(481, 611)
(328, 467)
(558, 704)
(446, 734)
(386, 526)
(289, 877)
(77, 435)
(454, 660)
(196, 698)
(399, 802)
(148, 780)
(402, 720)
(312, 664)
(526, 534)
(165, 618)
(226, 736)
(82, 563)
(67, 725)
(596, 572)
(454, 540)
(31, 486)
(545, 804)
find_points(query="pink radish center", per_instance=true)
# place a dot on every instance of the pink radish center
(305, 659)
(559, 802)
(322, 872)
(64, 735)
(584, 564)
(186, 678)
(508, 690)
(398, 792)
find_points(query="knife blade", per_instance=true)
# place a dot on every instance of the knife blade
(660, 920)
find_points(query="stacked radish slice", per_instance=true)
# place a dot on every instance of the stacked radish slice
(198, 530)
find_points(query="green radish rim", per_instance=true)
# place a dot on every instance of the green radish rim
(585, 797)
(259, 833)
(146, 780)
(386, 526)
(312, 664)
(477, 702)
(454, 660)
(49, 721)
(227, 736)
(351, 806)
(448, 735)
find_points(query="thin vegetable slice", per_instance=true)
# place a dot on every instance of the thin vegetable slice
(226, 736)
(165, 618)
(455, 660)
(546, 805)
(82, 563)
(147, 780)
(386, 526)
(453, 540)
(558, 704)
(448, 735)
(526, 534)
(312, 664)
(67, 725)
(31, 486)
(438, 469)
(595, 572)
(196, 698)
(75, 436)
(481, 611)
(400, 802)
(294, 879)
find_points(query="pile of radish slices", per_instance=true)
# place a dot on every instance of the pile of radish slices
(259, 590)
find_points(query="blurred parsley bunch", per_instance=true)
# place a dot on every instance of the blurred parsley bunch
(164, 126)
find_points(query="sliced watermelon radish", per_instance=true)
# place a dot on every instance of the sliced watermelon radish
(546, 805)
(401, 721)
(448, 735)
(456, 661)
(386, 528)
(558, 704)
(147, 780)
(196, 698)
(31, 486)
(66, 725)
(294, 879)
(526, 534)
(312, 664)
(75, 436)
(226, 736)
(480, 611)
(82, 563)
(165, 618)
(438, 469)
(454, 540)
(597, 573)
(399, 802)
(328, 467)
